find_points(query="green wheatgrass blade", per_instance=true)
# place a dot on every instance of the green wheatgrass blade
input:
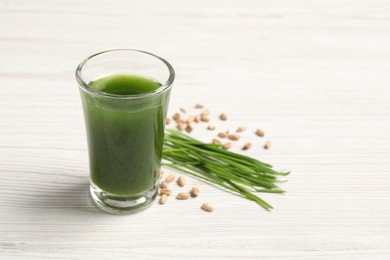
(253, 197)
(214, 168)
(234, 176)
(214, 149)
(236, 167)
(228, 176)
(237, 173)
(216, 155)
(270, 191)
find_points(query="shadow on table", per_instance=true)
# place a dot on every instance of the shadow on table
(70, 197)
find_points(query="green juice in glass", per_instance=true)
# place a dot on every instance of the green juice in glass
(125, 138)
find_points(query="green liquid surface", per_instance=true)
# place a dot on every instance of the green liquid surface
(125, 84)
(125, 136)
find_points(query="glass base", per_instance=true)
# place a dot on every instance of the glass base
(123, 205)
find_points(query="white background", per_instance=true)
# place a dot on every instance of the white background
(313, 74)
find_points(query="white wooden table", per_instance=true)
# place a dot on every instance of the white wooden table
(315, 75)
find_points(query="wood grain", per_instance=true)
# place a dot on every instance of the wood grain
(313, 74)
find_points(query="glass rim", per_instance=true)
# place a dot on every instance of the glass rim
(162, 88)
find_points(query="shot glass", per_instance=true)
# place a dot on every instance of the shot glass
(124, 123)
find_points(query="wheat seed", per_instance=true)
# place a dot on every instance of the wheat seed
(222, 135)
(247, 146)
(170, 178)
(194, 192)
(190, 119)
(267, 145)
(241, 129)
(223, 116)
(183, 196)
(165, 191)
(180, 126)
(163, 198)
(204, 118)
(259, 132)
(181, 181)
(227, 146)
(234, 137)
(176, 117)
(188, 128)
(207, 207)
(215, 141)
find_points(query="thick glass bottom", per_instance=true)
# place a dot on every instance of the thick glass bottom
(123, 205)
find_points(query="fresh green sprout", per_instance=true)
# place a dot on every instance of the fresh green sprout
(240, 174)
